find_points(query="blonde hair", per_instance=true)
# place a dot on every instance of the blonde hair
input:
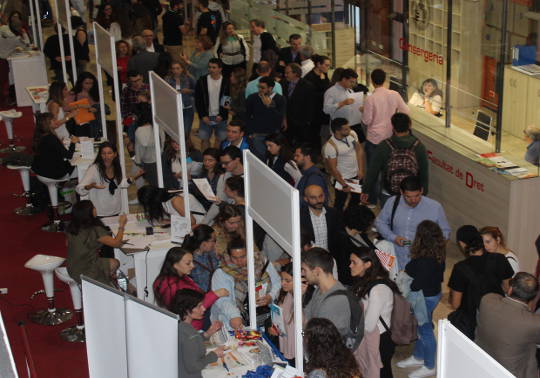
(532, 132)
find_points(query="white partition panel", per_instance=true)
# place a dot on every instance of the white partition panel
(274, 204)
(7, 363)
(64, 19)
(106, 59)
(147, 266)
(167, 111)
(152, 337)
(459, 356)
(105, 327)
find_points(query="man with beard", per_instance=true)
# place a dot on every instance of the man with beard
(323, 226)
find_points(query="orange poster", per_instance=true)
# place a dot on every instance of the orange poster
(83, 115)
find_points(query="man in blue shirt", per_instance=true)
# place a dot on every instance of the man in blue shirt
(305, 157)
(412, 208)
(235, 135)
(264, 69)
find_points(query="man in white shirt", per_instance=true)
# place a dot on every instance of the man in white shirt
(345, 157)
(210, 94)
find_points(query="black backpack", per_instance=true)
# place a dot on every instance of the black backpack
(356, 325)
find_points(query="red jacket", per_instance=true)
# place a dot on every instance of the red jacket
(168, 286)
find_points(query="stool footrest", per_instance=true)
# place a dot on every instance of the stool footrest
(44, 317)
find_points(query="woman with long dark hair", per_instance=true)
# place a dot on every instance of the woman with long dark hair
(102, 181)
(328, 357)
(427, 271)
(86, 235)
(280, 158)
(202, 243)
(480, 273)
(85, 95)
(159, 204)
(51, 158)
(57, 105)
(374, 288)
(428, 97)
(106, 18)
(174, 276)
(189, 305)
(285, 300)
(212, 171)
(231, 48)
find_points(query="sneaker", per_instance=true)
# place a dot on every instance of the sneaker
(423, 372)
(410, 362)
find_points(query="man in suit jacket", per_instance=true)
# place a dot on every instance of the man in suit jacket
(299, 95)
(508, 330)
(142, 61)
(322, 225)
(290, 54)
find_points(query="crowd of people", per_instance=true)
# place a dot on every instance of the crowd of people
(309, 130)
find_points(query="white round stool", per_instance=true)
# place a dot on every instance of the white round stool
(8, 116)
(46, 265)
(76, 333)
(54, 224)
(24, 171)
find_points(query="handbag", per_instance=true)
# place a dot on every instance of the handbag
(264, 318)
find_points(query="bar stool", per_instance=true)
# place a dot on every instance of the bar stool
(55, 224)
(73, 334)
(8, 116)
(46, 265)
(28, 208)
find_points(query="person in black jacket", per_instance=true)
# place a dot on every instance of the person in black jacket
(51, 158)
(299, 94)
(209, 22)
(265, 111)
(264, 46)
(318, 77)
(290, 54)
(210, 104)
(323, 226)
(51, 49)
(280, 158)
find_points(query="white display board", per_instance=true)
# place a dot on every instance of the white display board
(152, 339)
(106, 59)
(275, 205)
(167, 113)
(149, 263)
(63, 14)
(459, 356)
(105, 328)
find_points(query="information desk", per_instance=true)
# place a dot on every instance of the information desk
(472, 193)
(28, 70)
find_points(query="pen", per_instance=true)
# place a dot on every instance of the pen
(224, 364)
(126, 243)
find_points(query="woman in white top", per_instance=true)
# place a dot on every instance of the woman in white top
(231, 48)
(57, 106)
(102, 181)
(428, 97)
(494, 243)
(376, 291)
(159, 205)
(107, 19)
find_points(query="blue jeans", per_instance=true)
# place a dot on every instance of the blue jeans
(207, 129)
(425, 347)
(369, 149)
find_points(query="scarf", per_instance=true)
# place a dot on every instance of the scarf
(240, 275)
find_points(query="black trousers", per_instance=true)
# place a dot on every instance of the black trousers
(386, 350)
(341, 198)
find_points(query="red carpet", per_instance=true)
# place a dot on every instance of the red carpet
(22, 238)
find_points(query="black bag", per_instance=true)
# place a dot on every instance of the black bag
(463, 321)
(264, 318)
(356, 324)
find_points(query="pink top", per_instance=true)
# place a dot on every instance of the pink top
(378, 110)
(168, 286)
(286, 343)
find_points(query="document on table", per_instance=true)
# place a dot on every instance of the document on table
(354, 184)
(204, 187)
(180, 227)
(87, 149)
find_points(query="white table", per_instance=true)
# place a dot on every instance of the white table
(28, 70)
(39, 96)
(145, 257)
